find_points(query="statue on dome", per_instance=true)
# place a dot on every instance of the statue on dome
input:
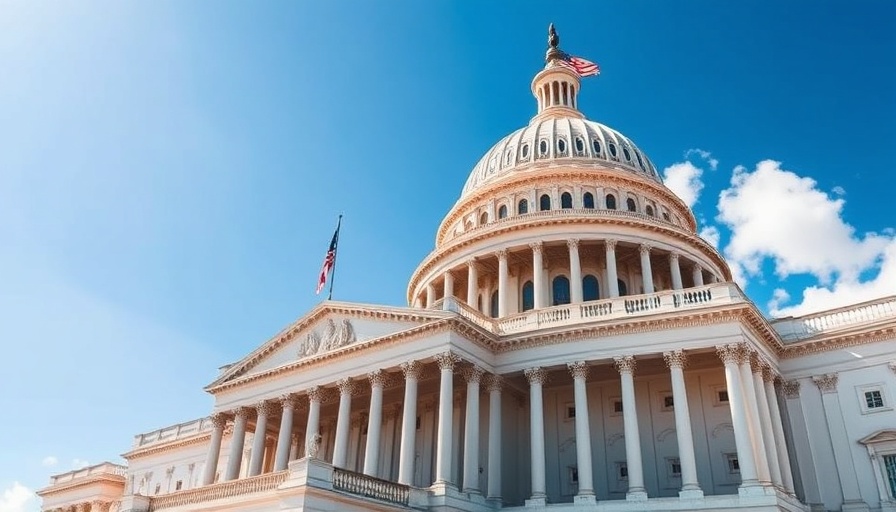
(553, 38)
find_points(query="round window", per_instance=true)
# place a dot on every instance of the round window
(543, 147)
(561, 146)
(613, 149)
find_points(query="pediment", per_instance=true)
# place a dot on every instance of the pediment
(881, 436)
(328, 327)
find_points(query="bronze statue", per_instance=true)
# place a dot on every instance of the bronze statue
(553, 38)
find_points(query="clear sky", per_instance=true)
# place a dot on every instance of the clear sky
(171, 172)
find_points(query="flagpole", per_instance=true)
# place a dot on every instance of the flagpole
(335, 253)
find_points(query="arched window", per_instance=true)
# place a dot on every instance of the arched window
(528, 296)
(665, 216)
(623, 290)
(630, 204)
(628, 156)
(611, 202)
(544, 202)
(590, 288)
(543, 147)
(613, 149)
(560, 288)
(561, 146)
(588, 200)
(502, 211)
(649, 210)
(566, 200)
(595, 145)
(522, 207)
(524, 151)
(493, 309)
(483, 219)
(580, 145)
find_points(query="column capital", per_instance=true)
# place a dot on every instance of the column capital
(674, 255)
(346, 386)
(377, 378)
(791, 389)
(758, 364)
(579, 369)
(536, 375)
(610, 244)
(675, 359)
(769, 374)
(473, 374)
(625, 364)
(731, 353)
(411, 369)
(287, 401)
(827, 383)
(447, 360)
(644, 249)
(471, 263)
(697, 267)
(264, 408)
(240, 412)
(219, 420)
(315, 394)
(501, 254)
(573, 243)
(99, 506)
(537, 246)
(494, 383)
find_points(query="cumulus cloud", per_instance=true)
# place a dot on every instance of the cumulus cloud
(711, 234)
(17, 498)
(684, 178)
(49, 461)
(705, 155)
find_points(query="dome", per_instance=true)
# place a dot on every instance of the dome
(559, 140)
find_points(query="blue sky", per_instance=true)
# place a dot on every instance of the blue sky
(171, 172)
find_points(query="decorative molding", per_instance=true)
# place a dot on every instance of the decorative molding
(892, 366)
(315, 394)
(610, 244)
(536, 375)
(791, 389)
(412, 369)
(644, 249)
(615, 438)
(624, 364)
(673, 256)
(219, 420)
(573, 244)
(579, 370)
(663, 434)
(447, 360)
(287, 401)
(826, 383)
(377, 378)
(730, 353)
(346, 386)
(240, 413)
(473, 374)
(675, 359)
(501, 254)
(264, 408)
(537, 247)
(494, 383)
(721, 427)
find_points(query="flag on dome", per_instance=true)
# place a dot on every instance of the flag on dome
(329, 260)
(581, 66)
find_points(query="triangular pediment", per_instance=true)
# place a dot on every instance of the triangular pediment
(887, 435)
(329, 327)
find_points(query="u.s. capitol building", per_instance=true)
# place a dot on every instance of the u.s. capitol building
(571, 343)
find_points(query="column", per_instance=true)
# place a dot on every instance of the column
(449, 285)
(375, 421)
(503, 277)
(752, 409)
(430, 295)
(446, 362)
(771, 396)
(579, 371)
(636, 490)
(846, 470)
(312, 428)
(343, 422)
(698, 275)
(472, 283)
(612, 278)
(765, 422)
(214, 449)
(494, 438)
(575, 275)
(538, 275)
(263, 409)
(236, 444)
(471, 431)
(646, 271)
(99, 506)
(411, 372)
(537, 377)
(730, 355)
(676, 271)
(690, 486)
(288, 404)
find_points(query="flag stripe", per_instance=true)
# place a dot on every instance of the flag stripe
(329, 261)
(581, 66)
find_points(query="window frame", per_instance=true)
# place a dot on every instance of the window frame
(880, 387)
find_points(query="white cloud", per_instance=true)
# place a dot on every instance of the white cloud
(779, 296)
(17, 498)
(711, 234)
(49, 461)
(684, 180)
(840, 191)
(79, 463)
(706, 155)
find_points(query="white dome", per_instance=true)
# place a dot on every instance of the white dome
(570, 139)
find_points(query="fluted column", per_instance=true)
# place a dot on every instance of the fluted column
(430, 295)
(579, 371)
(236, 444)
(494, 437)
(758, 443)
(411, 372)
(612, 277)
(284, 437)
(503, 277)
(261, 425)
(312, 428)
(676, 271)
(471, 431)
(636, 490)
(214, 449)
(449, 285)
(690, 486)
(537, 377)
(771, 396)
(646, 271)
(374, 422)
(698, 275)
(446, 362)
(472, 284)
(538, 275)
(731, 355)
(575, 273)
(343, 422)
(765, 422)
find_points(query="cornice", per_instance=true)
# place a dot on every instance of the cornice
(92, 479)
(538, 172)
(841, 340)
(174, 444)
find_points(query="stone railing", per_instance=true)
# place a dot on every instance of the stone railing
(173, 432)
(105, 468)
(370, 487)
(799, 328)
(251, 485)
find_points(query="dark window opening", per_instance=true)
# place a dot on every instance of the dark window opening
(544, 202)
(590, 288)
(566, 200)
(560, 288)
(588, 200)
(611, 202)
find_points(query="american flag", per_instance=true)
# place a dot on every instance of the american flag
(329, 261)
(581, 66)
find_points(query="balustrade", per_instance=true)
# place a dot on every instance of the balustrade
(370, 487)
(251, 485)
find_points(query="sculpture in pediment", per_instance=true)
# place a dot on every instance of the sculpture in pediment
(335, 335)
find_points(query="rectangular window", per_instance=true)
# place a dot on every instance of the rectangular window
(723, 396)
(574, 475)
(668, 403)
(674, 466)
(890, 468)
(617, 406)
(178, 485)
(733, 464)
(417, 423)
(621, 471)
(874, 399)
(570, 412)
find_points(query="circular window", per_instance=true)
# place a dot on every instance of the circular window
(613, 149)
(595, 144)
(580, 145)
(628, 156)
(525, 151)
(561, 146)
(543, 147)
